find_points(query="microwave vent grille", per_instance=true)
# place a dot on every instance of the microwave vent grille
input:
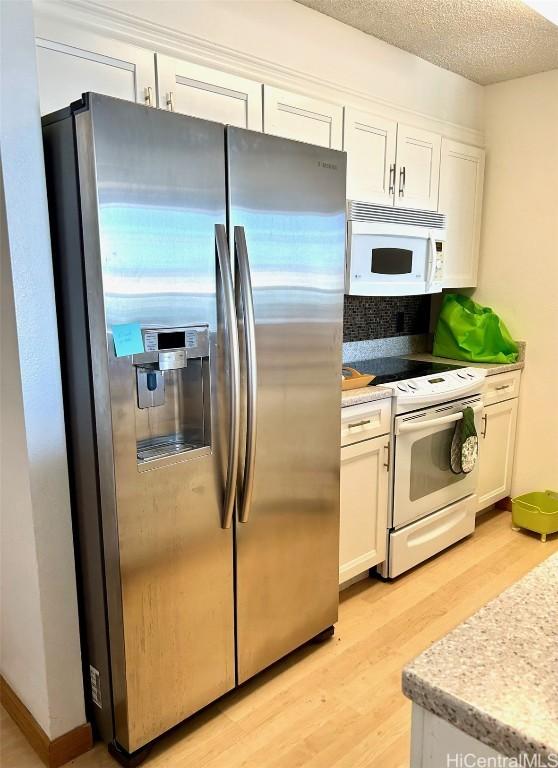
(359, 211)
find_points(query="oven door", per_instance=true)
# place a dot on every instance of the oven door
(423, 480)
(387, 262)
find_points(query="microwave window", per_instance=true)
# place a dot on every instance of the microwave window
(392, 261)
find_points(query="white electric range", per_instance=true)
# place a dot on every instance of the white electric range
(430, 506)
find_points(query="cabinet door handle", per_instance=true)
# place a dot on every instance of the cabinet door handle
(392, 179)
(148, 92)
(359, 423)
(485, 419)
(402, 181)
(502, 386)
(387, 449)
(170, 101)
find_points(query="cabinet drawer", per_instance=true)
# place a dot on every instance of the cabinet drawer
(501, 386)
(425, 538)
(361, 422)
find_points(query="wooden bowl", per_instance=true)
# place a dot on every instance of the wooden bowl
(353, 379)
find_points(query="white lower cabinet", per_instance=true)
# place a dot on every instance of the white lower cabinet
(436, 743)
(496, 452)
(364, 506)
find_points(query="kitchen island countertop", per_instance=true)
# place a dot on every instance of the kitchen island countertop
(494, 676)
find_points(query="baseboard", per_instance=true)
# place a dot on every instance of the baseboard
(505, 503)
(497, 506)
(53, 753)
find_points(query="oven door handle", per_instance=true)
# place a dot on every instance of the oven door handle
(415, 426)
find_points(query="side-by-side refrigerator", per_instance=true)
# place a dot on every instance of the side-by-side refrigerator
(199, 272)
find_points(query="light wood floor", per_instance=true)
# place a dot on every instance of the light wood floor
(339, 705)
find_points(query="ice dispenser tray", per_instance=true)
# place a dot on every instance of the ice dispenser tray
(172, 387)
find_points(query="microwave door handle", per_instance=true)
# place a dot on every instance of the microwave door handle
(429, 262)
(246, 477)
(415, 426)
(224, 264)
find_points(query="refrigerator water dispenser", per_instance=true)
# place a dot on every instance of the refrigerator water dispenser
(172, 385)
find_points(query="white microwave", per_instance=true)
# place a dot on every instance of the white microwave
(394, 251)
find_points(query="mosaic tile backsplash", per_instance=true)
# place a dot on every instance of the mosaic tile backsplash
(378, 317)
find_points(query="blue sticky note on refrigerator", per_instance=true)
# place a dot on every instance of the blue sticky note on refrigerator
(127, 339)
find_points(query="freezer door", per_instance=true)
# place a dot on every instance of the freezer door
(289, 198)
(153, 190)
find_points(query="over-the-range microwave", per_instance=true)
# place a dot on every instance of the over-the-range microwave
(394, 251)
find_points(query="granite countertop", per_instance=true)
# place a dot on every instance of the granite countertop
(363, 395)
(495, 676)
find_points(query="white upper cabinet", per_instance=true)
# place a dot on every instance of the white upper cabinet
(370, 143)
(418, 168)
(302, 118)
(71, 62)
(390, 163)
(461, 185)
(208, 93)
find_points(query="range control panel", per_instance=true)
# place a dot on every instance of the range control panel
(423, 390)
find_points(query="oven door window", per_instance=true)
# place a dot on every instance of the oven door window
(391, 261)
(430, 468)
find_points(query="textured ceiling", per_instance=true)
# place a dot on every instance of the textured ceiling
(484, 40)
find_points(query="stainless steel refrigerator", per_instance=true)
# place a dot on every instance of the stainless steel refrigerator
(199, 275)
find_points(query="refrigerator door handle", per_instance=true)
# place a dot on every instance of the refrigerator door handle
(223, 259)
(246, 478)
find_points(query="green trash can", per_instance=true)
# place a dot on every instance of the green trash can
(537, 511)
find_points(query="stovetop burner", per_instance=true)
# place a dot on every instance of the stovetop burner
(387, 369)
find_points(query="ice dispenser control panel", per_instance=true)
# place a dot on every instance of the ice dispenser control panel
(172, 380)
(174, 338)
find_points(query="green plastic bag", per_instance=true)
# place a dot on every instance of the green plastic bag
(467, 331)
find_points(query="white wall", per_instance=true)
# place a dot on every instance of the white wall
(519, 256)
(39, 625)
(22, 659)
(262, 34)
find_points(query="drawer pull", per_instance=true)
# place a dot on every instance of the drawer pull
(502, 386)
(359, 423)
